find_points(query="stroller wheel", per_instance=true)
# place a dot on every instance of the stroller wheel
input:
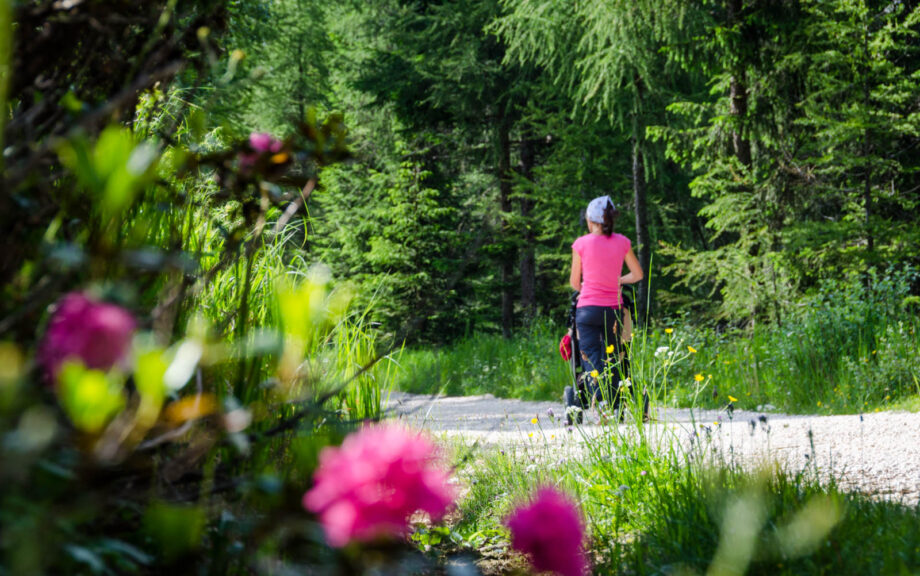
(574, 413)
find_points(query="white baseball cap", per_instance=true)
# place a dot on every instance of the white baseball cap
(595, 212)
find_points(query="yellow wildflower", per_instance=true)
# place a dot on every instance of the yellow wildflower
(699, 378)
(610, 349)
(530, 435)
(594, 374)
(819, 403)
(533, 420)
(732, 398)
(691, 349)
(668, 330)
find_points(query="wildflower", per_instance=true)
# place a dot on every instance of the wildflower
(668, 330)
(373, 482)
(609, 349)
(530, 435)
(691, 349)
(549, 531)
(888, 397)
(262, 144)
(643, 472)
(594, 374)
(699, 378)
(94, 333)
(550, 413)
(660, 350)
(819, 403)
(534, 420)
(732, 398)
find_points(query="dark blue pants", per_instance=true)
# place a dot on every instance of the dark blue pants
(598, 328)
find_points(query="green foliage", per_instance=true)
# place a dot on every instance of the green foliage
(526, 366)
(650, 511)
(848, 349)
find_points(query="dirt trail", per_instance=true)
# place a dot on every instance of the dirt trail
(877, 454)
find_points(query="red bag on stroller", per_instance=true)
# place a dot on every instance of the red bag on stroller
(565, 347)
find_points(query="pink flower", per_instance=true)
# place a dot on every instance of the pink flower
(373, 482)
(95, 333)
(261, 143)
(550, 532)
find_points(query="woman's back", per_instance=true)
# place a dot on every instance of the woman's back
(601, 268)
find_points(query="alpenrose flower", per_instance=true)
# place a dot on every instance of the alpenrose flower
(261, 143)
(94, 333)
(550, 533)
(369, 486)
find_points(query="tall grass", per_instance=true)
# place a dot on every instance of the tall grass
(527, 366)
(655, 506)
(843, 350)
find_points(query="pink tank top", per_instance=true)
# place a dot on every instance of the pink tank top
(601, 267)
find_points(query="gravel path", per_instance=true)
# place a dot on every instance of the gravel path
(877, 454)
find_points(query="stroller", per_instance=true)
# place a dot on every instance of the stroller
(577, 397)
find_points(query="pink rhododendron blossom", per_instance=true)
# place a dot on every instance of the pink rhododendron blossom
(550, 532)
(94, 333)
(373, 482)
(261, 143)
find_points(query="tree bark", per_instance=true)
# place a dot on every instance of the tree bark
(639, 197)
(738, 96)
(507, 253)
(528, 261)
(642, 232)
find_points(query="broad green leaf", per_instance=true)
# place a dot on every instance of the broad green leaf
(90, 398)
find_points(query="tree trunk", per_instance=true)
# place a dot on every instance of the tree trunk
(507, 252)
(867, 146)
(639, 197)
(738, 96)
(528, 262)
(642, 233)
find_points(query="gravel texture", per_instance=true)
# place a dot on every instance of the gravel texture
(877, 454)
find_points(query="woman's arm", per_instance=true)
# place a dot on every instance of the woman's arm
(575, 277)
(635, 270)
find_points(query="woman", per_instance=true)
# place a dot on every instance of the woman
(597, 264)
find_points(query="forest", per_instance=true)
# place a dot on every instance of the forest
(234, 230)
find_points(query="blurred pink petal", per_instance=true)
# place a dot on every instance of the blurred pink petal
(263, 142)
(370, 485)
(549, 532)
(95, 333)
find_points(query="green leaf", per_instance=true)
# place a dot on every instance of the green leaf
(90, 398)
(175, 529)
(148, 375)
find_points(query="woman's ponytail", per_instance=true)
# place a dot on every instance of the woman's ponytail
(610, 218)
